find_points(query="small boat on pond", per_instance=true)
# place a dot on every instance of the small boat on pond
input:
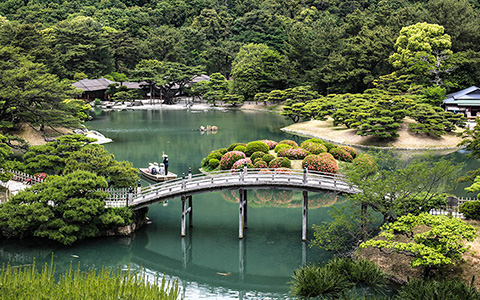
(157, 177)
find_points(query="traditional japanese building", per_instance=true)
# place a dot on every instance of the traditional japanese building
(96, 88)
(466, 101)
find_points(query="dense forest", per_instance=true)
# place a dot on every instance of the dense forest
(334, 46)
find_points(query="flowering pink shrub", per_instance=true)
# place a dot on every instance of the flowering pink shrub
(323, 162)
(293, 153)
(314, 148)
(284, 171)
(257, 159)
(41, 176)
(289, 142)
(280, 162)
(229, 158)
(260, 164)
(341, 154)
(270, 143)
(350, 150)
(241, 162)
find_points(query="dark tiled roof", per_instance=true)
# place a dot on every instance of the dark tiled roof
(93, 84)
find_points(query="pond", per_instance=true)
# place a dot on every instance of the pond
(210, 262)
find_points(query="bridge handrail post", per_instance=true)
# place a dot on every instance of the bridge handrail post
(189, 173)
(129, 196)
(241, 175)
(139, 188)
(245, 169)
(183, 181)
(305, 174)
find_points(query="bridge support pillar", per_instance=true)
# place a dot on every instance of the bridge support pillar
(305, 216)
(241, 213)
(190, 215)
(245, 204)
(184, 208)
(186, 211)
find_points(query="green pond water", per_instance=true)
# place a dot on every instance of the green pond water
(210, 262)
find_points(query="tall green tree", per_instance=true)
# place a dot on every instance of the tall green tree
(80, 46)
(29, 94)
(423, 50)
(257, 68)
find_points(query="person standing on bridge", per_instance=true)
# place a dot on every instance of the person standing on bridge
(165, 163)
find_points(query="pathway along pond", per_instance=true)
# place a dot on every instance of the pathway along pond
(211, 262)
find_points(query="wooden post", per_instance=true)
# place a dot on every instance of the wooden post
(305, 172)
(183, 215)
(305, 216)
(245, 204)
(190, 213)
(240, 215)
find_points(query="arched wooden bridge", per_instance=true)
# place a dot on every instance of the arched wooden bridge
(242, 180)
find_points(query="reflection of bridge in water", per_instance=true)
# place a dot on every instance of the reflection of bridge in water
(201, 259)
(242, 180)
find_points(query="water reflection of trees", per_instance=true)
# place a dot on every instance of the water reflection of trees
(283, 198)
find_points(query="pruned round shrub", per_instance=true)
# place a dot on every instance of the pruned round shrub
(271, 144)
(350, 150)
(341, 154)
(255, 146)
(204, 162)
(229, 158)
(329, 146)
(232, 146)
(293, 153)
(280, 162)
(280, 147)
(255, 155)
(240, 148)
(214, 155)
(259, 164)
(257, 159)
(213, 163)
(268, 158)
(314, 148)
(314, 140)
(222, 150)
(239, 164)
(289, 142)
(471, 210)
(323, 162)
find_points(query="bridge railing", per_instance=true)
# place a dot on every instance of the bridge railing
(300, 176)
